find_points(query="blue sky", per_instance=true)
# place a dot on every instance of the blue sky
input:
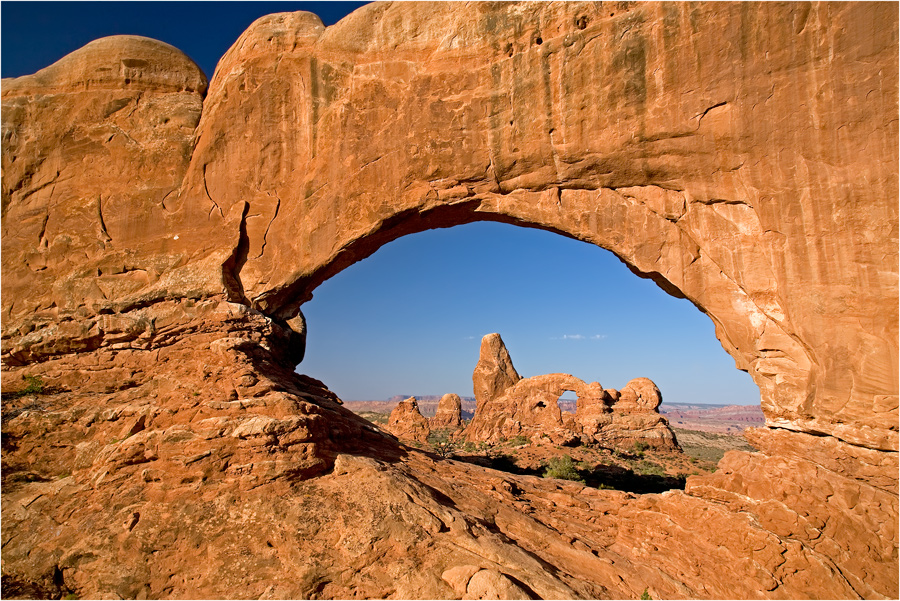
(409, 319)
(36, 34)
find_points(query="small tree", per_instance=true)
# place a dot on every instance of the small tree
(563, 468)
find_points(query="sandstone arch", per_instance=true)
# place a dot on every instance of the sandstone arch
(659, 172)
(743, 156)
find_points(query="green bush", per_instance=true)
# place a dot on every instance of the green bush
(640, 447)
(518, 441)
(563, 468)
(33, 385)
(439, 435)
(645, 596)
(649, 468)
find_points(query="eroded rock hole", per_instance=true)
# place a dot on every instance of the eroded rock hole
(568, 402)
(430, 297)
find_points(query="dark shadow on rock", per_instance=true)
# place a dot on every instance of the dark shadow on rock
(619, 478)
(602, 476)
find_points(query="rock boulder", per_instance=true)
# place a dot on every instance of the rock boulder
(407, 422)
(449, 412)
(494, 373)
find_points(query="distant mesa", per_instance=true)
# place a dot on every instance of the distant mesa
(714, 418)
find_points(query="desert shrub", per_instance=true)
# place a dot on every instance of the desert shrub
(517, 441)
(648, 468)
(645, 596)
(34, 385)
(439, 435)
(374, 417)
(563, 468)
(640, 446)
(469, 447)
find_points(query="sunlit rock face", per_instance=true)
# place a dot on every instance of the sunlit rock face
(448, 413)
(158, 239)
(407, 422)
(529, 407)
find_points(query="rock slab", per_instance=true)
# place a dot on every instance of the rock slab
(405, 421)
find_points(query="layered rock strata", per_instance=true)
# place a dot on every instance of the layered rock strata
(158, 240)
(508, 407)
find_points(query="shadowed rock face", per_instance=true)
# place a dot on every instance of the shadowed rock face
(158, 240)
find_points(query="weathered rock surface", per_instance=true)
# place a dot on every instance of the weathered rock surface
(449, 412)
(157, 245)
(494, 373)
(407, 422)
(529, 407)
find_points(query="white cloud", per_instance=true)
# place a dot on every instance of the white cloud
(579, 337)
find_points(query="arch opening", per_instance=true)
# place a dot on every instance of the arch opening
(407, 321)
(436, 293)
(488, 277)
(567, 402)
(632, 223)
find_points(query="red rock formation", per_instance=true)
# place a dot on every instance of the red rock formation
(530, 407)
(449, 412)
(406, 422)
(494, 373)
(635, 417)
(157, 245)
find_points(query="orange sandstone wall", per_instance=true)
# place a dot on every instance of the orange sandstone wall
(159, 239)
(742, 155)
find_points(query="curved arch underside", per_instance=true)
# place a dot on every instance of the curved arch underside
(740, 155)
